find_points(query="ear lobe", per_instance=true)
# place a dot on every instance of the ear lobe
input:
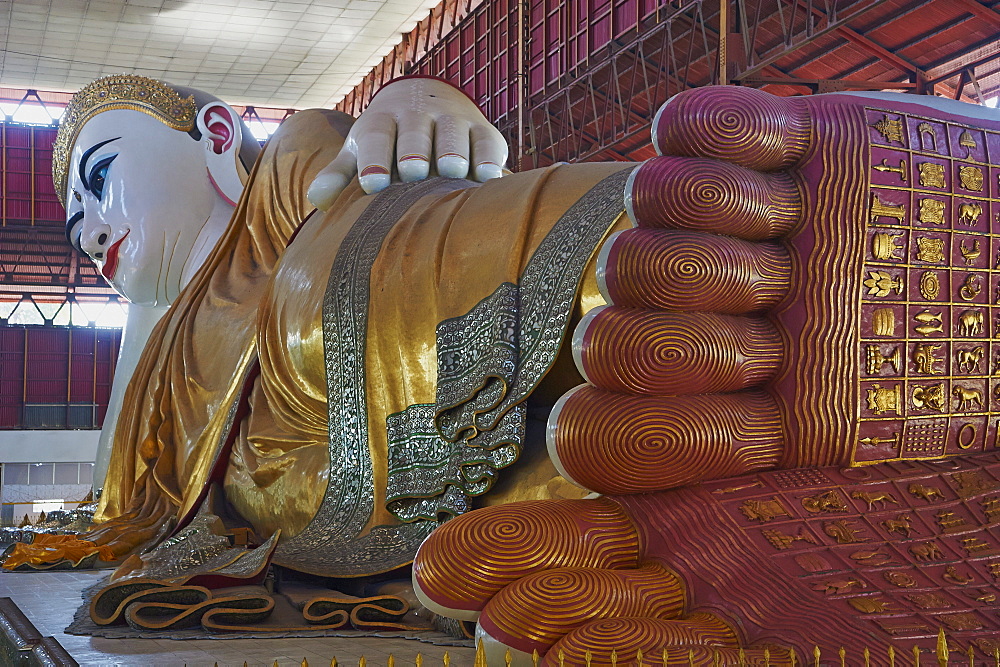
(219, 125)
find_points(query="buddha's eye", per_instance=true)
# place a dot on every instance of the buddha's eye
(99, 174)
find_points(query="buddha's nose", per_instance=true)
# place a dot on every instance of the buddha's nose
(95, 239)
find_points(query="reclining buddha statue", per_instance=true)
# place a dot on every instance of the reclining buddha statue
(767, 351)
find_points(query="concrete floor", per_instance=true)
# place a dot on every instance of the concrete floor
(49, 600)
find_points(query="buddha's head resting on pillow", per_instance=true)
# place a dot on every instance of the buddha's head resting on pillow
(149, 174)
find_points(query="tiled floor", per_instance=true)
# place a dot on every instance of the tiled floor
(49, 600)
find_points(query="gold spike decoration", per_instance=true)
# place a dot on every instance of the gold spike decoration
(275, 664)
(362, 662)
(792, 658)
(304, 663)
(690, 657)
(767, 657)
(892, 656)
(868, 657)
(916, 656)
(614, 658)
(480, 660)
(842, 653)
(507, 658)
(741, 656)
(972, 656)
(942, 648)
(816, 656)
(391, 662)
(534, 658)
(447, 659)
(666, 658)
(587, 657)
(333, 661)
(638, 657)
(420, 660)
(561, 657)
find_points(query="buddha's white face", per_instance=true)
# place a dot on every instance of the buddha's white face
(138, 199)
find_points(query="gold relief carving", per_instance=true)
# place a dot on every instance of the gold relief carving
(824, 502)
(926, 129)
(970, 255)
(885, 246)
(890, 128)
(931, 175)
(930, 249)
(971, 178)
(843, 531)
(926, 551)
(932, 211)
(926, 493)
(900, 579)
(929, 600)
(884, 322)
(967, 141)
(962, 621)
(925, 359)
(838, 586)
(880, 209)
(931, 396)
(733, 489)
(881, 399)
(968, 214)
(900, 627)
(929, 323)
(880, 283)
(991, 508)
(764, 510)
(967, 398)
(966, 436)
(996, 365)
(875, 359)
(970, 360)
(971, 288)
(782, 541)
(901, 525)
(952, 574)
(974, 545)
(886, 167)
(971, 483)
(875, 441)
(970, 323)
(870, 605)
(871, 558)
(930, 285)
(873, 499)
(984, 596)
(812, 562)
(994, 570)
(948, 522)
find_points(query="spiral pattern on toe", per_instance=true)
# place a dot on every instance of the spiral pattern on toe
(619, 443)
(501, 544)
(742, 125)
(647, 352)
(712, 196)
(534, 612)
(691, 271)
(627, 636)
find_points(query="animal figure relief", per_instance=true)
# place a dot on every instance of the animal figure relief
(970, 255)
(901, 525)
(970, 323)
(968, 214)
(838, 586)
(926, 552)
(824, 502)
(873, 499)
(925, 359)
(926, 493)
(970, 360)
(967, 398)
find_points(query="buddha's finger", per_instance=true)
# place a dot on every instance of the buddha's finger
(504, 543)
(536, 611)
(744, 126)
(640, 351)
(451, 147)
(413, 146)
(670, 641)
(489, 153)
(620, 443)
(712, 196)
(375, 147)
(691, 271)
(331, 180)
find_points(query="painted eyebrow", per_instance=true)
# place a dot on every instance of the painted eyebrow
(86, 156)
(75, 218)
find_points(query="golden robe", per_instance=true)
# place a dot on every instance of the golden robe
(301, 367)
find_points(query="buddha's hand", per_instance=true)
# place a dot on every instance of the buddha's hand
(413, 128)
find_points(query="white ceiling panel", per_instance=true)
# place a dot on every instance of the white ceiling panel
(291, 53)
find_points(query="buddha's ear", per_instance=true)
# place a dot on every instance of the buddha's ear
(222, 136)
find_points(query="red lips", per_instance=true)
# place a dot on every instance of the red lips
(111, 259)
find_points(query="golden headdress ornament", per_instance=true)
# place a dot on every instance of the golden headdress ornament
(120, 91)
